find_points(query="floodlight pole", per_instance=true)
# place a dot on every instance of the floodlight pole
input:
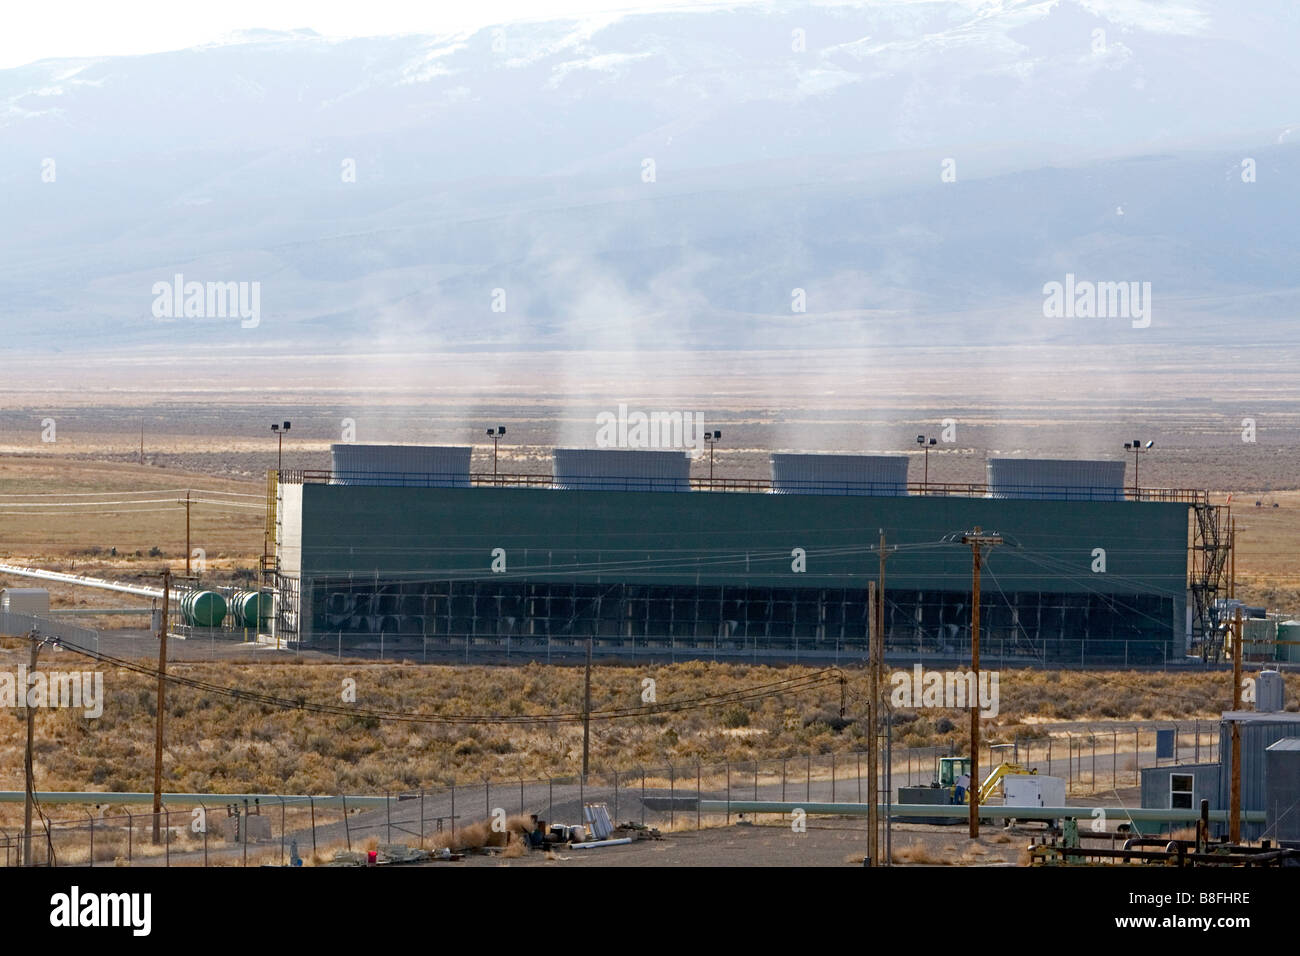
(279, 458)
(977, 539)
(711, 439)
(1135, 446)
(495, 434)
(925, 442)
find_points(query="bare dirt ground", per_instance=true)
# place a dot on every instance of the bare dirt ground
(772, 843)
(1035, 400)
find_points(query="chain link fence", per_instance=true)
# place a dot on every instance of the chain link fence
(1096, 761)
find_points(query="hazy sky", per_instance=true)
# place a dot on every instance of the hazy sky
(35, 31)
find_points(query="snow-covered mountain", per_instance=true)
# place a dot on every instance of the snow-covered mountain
(917, 169)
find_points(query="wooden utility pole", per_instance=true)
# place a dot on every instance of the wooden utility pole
(976, 539)
(586, 716)
(30, 796)
(873, 716)
(875, 679)
(187, 534)
(161, 707)
(1234, 793)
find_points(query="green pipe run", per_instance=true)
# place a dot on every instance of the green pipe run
(962, 811)
(956, 811)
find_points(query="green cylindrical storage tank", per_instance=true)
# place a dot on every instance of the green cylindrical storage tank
(250, 608)
(203, 608)
(1288, 631)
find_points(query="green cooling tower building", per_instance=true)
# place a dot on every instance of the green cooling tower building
(625, 549)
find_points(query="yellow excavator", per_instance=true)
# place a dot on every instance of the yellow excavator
(952, 769)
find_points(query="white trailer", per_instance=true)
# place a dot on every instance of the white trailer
(1033, 790)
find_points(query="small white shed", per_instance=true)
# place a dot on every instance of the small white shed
(34, 601)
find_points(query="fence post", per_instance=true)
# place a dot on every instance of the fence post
(728, 793)
(312, 801)
(453, 812)
(756, 781)
(1137, 757)
(243, 829)
(205, 835)
(643, 796)
(130, 834)
(388, 818)
(521, 797)
(672, 796)
(783, 761)
(347, 826)
(421, 818)
(615, 798)
(808, 793)
(832, 776)
(282, 827)
(167, 845)
(858, 767)
(698, 794)
(92, 837)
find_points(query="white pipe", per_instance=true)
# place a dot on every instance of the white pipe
(595, 843)
(143, 590)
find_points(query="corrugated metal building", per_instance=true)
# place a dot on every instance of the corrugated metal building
(1180, 787)
(1059, 479)
(724, 574)
(880, 475)
(1282, 786)
(1259, 731)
